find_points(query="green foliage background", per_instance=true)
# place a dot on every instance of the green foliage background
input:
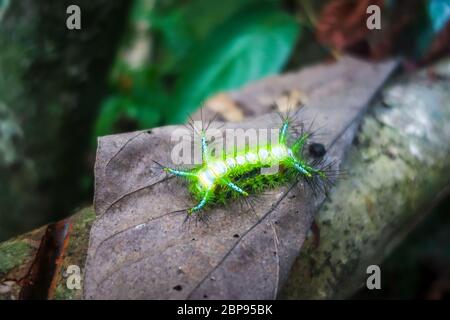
(198, 48)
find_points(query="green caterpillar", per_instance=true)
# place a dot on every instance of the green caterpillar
(238, 174)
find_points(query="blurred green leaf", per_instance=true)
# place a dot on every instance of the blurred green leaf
(439, 12)
(254, 43)
(200, 47)
(110, 112)
(435, 15)
(120, 110)
(180, 26)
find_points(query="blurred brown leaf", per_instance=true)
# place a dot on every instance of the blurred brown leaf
(342, 26)
(440, 46)
(342, 23)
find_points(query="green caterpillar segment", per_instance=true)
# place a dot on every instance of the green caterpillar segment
(297, 147)
(233, 175)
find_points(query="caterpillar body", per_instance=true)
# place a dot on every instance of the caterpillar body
(238, 174)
